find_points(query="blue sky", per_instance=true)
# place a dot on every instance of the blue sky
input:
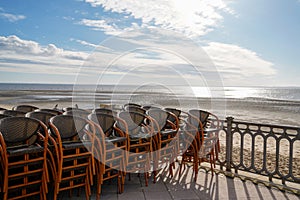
(251, 43)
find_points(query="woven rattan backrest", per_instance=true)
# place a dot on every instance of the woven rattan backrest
(53, 111)
(175, 111)
(105, 111)
(77, 112)
(4, 116)
(134, 121)
(160, 116)
(199, 114)
(106, 122)
(132, 104)
(14, 113)
(42, 116)
(16, 130)
(135, 109)
(68, 126)
(25, 108)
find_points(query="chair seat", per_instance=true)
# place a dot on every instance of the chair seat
(114, 139)
(168, 132)
(24, 149)
(140, 136)
(73, 145)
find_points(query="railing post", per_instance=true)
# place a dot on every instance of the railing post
(229, 144)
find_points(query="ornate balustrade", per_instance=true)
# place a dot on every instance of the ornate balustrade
(267, 150)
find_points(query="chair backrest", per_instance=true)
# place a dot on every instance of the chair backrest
(105, 111)
(175, 111)
(135, 109)
(19, 130)
(68, 126)
(134, 121)
(53, 111)
(25, 108)
(77, 112)
(105, 121)
(4, 116)
(200, 115)
(2, 108)
(160, 116)
(42, 116)
(70, 108)
(132, 104)
(14, 113)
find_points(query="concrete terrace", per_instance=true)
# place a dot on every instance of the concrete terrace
(184, 188)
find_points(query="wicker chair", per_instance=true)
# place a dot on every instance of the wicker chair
(14, 113)
(25, 108)
(74, 142)
(45, 118)
(23, 151)
(141, 141)
(110, 150)
(205, 140)
(77, 112)
(166, 137)
(105, 111)
(52, 111)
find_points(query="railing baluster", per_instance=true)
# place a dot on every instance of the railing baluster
(229, 144)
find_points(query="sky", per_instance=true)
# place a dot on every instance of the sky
(204, 42)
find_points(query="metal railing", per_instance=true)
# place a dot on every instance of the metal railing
(263, 149)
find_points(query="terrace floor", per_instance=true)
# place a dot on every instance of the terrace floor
(184, 188)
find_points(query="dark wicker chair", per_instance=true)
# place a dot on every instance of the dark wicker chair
(74, 152)
(53, 111)
(14, 113)
(140, 131)
(167, 139)
(4, 116)
(23, 158)
(77, 112)
(2, 108)
(205, 141)
(105, 111)
(45, 118)
(111, 150)
(25, 108)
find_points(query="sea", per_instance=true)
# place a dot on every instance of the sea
(275, 105)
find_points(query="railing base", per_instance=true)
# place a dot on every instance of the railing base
(246, 176)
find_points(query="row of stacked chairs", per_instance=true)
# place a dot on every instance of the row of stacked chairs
(73, 148)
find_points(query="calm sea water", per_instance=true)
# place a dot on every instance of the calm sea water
(254, 93)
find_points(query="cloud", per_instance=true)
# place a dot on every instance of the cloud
(17, 55)
(234, 62)
(11, 17)
(85, 43)
(107, 28)
(141, 57)
(193, 18)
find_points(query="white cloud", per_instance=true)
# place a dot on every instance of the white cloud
(107, 28)
(237, 62)
(157, 59)
(85, 43)
(11, 17)
(17, 55)
(193, 17)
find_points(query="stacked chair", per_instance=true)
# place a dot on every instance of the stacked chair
(140, 131)
(166, 137)
(23, 150)
(200, 139)
(74, 152)
(110, 151)
(44, 150)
